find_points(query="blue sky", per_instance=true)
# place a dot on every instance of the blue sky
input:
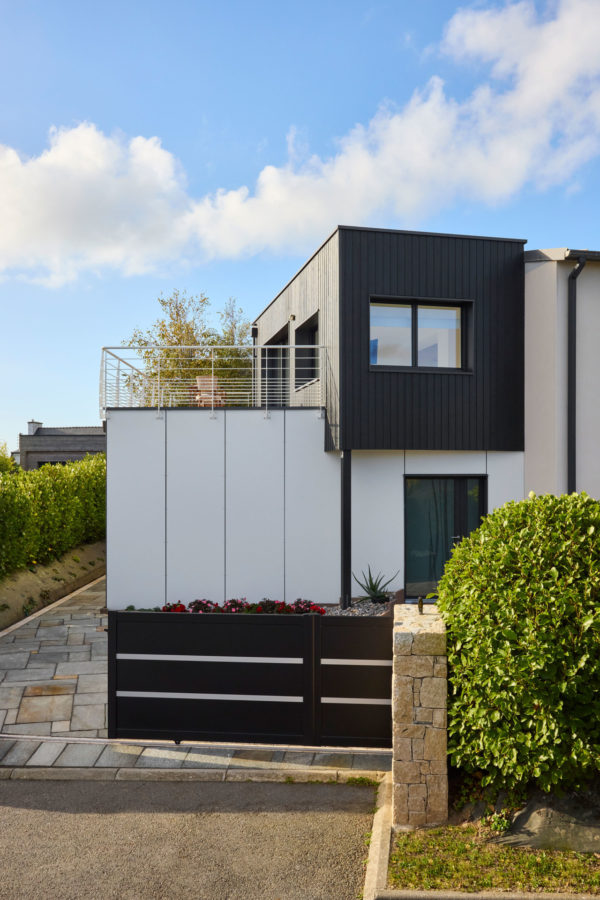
(211, 147)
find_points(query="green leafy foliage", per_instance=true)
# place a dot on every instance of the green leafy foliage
(7, 463)
(45, 512)
(520, 598)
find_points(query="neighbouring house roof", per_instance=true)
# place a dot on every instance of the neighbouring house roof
(70, 429)
(560, 254)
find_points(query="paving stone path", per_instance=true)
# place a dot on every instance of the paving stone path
(53, 687)
(53, 670)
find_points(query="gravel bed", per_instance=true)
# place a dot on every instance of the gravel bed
(360, 608)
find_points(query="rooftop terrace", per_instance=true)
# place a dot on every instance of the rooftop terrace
(213, 377)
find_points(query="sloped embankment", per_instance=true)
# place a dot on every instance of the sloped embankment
(29, 590)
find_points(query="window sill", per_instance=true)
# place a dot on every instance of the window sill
(426, 370)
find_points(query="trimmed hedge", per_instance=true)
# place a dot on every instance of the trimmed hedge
(520, 597)
(45, 512)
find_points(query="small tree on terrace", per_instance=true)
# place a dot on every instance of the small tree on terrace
(181, 345)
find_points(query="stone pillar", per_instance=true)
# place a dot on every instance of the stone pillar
(419, 693)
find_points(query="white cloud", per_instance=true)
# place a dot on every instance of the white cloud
(92, 201)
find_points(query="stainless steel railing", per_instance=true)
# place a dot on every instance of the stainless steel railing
(213, 377)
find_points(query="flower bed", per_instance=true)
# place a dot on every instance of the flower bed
(270, 607)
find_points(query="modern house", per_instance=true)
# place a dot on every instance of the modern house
(42, 445)
(400, 386)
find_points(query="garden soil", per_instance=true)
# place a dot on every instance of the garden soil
(29, 590)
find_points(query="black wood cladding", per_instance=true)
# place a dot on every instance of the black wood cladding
(367, 409)
(478, 410)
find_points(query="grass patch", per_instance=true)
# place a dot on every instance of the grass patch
(363, 780)
(463, 858)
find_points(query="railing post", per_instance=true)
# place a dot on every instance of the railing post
(158, 390)
(267, 416)
(212, 383)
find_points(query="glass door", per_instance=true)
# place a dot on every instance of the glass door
(439, 512)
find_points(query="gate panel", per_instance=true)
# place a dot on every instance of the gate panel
(355, 662)
(280, 679)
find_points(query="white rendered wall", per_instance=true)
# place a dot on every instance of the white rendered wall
(251, 507)
(378, 498)
(312, 512)
(254, 454)
(135, 509)
(588, 380)
(378, 515)
(546, 301)
(195, 505)
(442, 462)
(506, 476)
(545, 379)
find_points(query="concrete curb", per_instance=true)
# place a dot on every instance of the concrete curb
(379, 849)
(284, 776)
(483, 895)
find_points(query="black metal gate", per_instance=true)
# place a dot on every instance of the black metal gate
(234, 677)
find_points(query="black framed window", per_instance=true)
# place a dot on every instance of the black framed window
(306, 359)
(418, 334)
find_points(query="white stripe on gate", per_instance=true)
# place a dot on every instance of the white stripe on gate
(363, 701)
(356, 662)
(177, 657)
(176, 695)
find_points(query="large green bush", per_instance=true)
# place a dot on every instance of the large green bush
(520, 597)
(45, 512)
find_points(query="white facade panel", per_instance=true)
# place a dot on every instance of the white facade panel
(378, 515)
(254, 504)
(195, 505)
(505, 477)
(545, 380)
(135, 494)
(312, 511)
(588, 380)
(445, 462)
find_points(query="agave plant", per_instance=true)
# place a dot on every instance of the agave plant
(374, 586)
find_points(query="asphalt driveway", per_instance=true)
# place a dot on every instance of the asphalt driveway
(208, 841)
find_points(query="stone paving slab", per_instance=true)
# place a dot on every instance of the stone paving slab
(207, 759)
(26, 675)
(45, 709)
(153, 758)
(81, 755)
(88, 716)
(91, 699)
(118, 756)
(19, 753)
(46, 754)
(33, 728)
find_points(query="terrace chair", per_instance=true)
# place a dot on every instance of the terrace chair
(209, 394)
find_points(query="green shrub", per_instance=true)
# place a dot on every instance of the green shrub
(45, 512)
(520, 598)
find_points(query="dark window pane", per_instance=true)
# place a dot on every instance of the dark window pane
(473, 504)
(429, 531)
